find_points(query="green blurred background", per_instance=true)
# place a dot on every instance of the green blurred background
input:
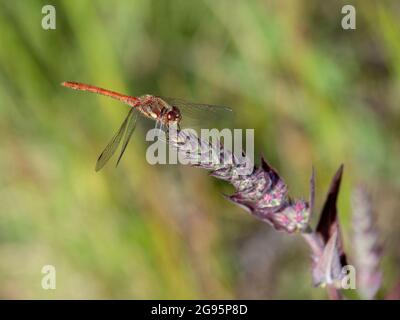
(314, 93)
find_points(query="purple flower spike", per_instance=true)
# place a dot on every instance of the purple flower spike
(265, 195)
(366, 244)
(293, 218)
(262, 192)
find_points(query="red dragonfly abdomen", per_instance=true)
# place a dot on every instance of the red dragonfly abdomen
(132, 101)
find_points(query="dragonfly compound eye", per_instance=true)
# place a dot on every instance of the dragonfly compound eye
(174, 115)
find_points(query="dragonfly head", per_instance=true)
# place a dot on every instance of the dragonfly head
(173, 115)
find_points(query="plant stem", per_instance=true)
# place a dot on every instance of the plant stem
(316, 247)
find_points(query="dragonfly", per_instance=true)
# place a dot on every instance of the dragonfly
(164, 111)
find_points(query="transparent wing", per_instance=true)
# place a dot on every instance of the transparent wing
(196, 106)
(129, 130)
(112, 145)
(194, 114)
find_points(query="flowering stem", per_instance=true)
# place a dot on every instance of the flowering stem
(313, 242)
(263, 193)
(317, 249)
(333, 293)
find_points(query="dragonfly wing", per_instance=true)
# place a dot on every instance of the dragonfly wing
(112, 145)
(129, 130)
(196, 106)
(199, 113)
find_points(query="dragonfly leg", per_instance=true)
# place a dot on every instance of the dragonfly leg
(157, 127)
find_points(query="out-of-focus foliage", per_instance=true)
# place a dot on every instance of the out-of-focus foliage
(313, 92)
